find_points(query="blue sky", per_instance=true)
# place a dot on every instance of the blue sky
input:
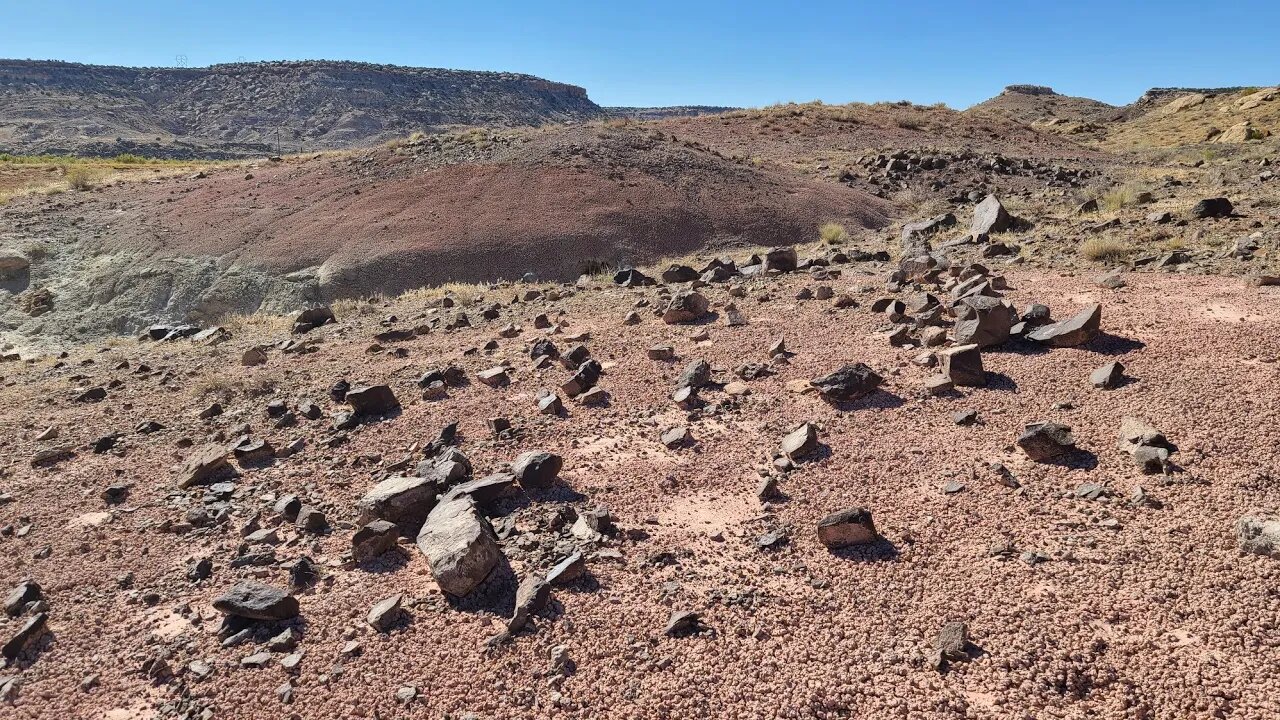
(747, 53)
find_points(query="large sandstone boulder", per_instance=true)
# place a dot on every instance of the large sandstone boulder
(459, 546)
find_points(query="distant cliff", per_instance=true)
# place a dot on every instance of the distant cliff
(255, 108)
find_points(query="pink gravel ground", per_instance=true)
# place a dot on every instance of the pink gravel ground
(1159, 616)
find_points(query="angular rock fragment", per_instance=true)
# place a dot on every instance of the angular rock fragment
(373, 539)
(983, 321)
(1259, 535)
(800, 442)
(1076, 330)
(848, 383)
(370, 400)
(459, 545)
(257, 601)
(962, 365)
(1108, 376)
(205, 466)
(405, 501)
(686, 306)
(385, 613)
(847, 527)
(537, 469)
(532, 596)
(1043, 441)
(990, 217)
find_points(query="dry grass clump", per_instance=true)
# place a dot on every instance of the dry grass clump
(833, 233)
(223, 388)
(81, 178)
(255, 324)
(1105, 249)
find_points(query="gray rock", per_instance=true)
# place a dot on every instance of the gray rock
(800, 442)
(405, 501)
(1108, 376)
(990, 217)
(27, 591)
(1259, 535)
(1212, 208)
(1076, 330)
(567, 570)
(205, 466)
(369, 400)
(532, 597)
(459, 546)
(849, 382)
(257, 601)
(962, 365)
(686, 306)
(537, 469)
(33, 628)
(373, 539)
(983, 321)
(383, 615)
(696, 374)
(1046, 440)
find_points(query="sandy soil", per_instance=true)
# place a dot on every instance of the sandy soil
(1136, 612)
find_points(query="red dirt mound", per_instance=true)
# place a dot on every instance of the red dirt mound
(553, 203)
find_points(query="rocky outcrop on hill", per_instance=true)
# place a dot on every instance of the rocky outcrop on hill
(246, 109)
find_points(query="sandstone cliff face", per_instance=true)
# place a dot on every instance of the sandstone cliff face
(248, 109)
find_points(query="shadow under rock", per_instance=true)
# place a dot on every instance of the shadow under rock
(1077, 459)
(1107, 344)
(882, 550)
(879, 399)
(497, 594)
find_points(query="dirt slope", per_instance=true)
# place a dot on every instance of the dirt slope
(475, 207)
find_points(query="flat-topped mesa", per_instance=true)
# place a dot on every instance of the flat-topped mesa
(1029, 90)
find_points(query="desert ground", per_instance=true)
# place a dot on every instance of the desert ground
(801, 412)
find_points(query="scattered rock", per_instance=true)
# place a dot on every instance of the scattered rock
(1043, 441)
(257, 601)
(847, 527)
(459, 546)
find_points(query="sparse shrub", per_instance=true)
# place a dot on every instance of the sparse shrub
(129, 159)
(79, 178)
(909, 124)
(1104, 249)
(833, 233)
(1117, 198)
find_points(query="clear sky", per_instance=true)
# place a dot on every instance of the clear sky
(664, 52)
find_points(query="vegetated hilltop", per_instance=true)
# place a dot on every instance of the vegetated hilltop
(1165, 118)
(252, 109)
(1041, 105)
(658, 113)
